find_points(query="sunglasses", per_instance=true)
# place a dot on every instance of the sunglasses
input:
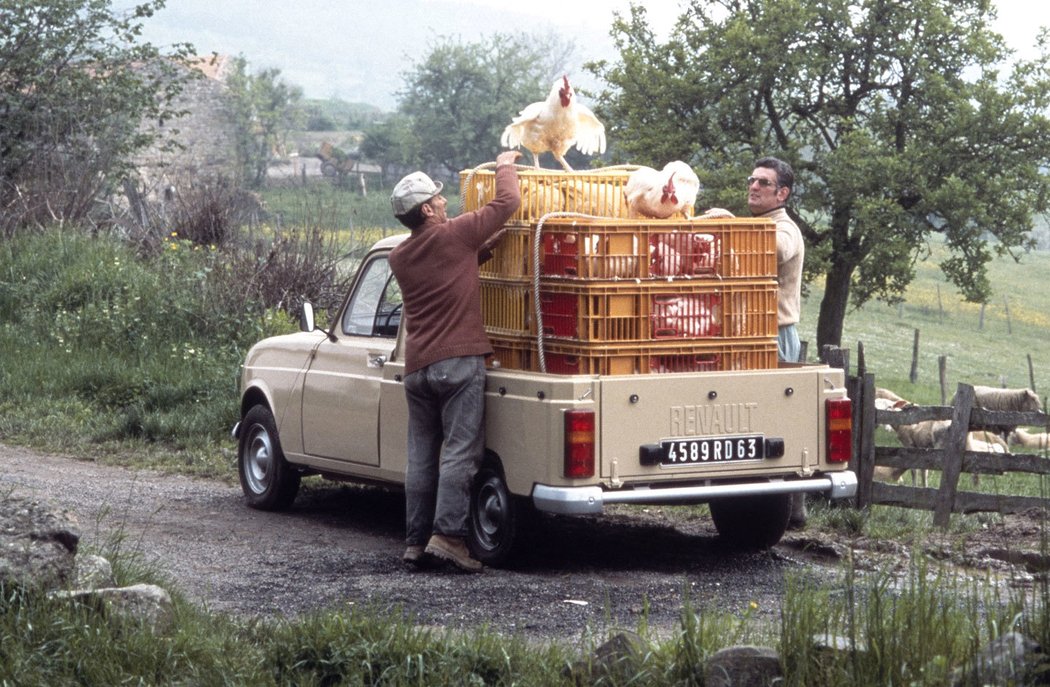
(763, 182)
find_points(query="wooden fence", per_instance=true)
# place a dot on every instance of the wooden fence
(952, 459)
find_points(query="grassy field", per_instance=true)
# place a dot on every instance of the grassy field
(1016, 323)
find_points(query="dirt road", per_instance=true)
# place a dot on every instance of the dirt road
(340, 546)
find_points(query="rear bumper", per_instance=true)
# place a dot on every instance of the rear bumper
(592, 499)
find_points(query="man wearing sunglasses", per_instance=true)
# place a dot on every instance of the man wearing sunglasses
(768, 189)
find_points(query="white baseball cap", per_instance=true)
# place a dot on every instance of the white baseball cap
(412, 190)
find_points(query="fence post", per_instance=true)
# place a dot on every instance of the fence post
(942, 370)
(914, 375)
(953, 449)
(836, 357)
(864, 463)
(1031, 373)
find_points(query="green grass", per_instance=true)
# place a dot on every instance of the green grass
(1016, 324)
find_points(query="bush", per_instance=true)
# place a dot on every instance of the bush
(103, 344)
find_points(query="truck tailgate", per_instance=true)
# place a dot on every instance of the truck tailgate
(647, 410)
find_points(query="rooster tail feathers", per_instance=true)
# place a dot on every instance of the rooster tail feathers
(510, 137)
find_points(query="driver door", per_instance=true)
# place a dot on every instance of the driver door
(341, 390)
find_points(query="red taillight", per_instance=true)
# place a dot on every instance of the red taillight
(579, 443)
(839, 412)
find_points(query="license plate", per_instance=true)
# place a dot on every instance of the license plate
(712, 450)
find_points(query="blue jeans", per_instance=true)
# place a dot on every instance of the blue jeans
(446, 440)
(788, 344)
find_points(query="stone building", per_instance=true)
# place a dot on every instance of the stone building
(205, 134)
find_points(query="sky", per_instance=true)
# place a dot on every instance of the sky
(358, 50)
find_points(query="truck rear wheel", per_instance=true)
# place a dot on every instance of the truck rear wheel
(495, 516)
(751, 522)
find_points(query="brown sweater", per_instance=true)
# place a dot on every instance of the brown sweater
(437, 270)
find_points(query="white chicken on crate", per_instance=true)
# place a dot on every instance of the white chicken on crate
(661, 194)
(555, 125)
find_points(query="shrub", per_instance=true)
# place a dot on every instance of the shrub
(111, 345)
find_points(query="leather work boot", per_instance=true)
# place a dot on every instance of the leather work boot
(453, 549)
(415, 555)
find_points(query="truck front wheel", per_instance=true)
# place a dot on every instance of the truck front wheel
(751, 522)
(268, 481)
(494, 517)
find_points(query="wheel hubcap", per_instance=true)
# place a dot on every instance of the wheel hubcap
(491, 512)
(258, 460)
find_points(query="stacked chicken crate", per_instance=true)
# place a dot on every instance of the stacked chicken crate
(577, 287)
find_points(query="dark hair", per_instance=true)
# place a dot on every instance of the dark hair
(414, 218)
(785, 175)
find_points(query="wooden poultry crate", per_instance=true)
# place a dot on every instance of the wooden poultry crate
(582, 249)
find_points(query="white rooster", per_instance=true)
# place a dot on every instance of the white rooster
(554, 125)
(658, 195)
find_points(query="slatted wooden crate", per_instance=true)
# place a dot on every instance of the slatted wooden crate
(585, 249)
(512, 255)
(545, 190)
(507, 307)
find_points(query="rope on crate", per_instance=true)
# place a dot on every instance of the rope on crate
(536, 304)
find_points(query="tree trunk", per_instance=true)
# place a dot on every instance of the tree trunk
(833, 305)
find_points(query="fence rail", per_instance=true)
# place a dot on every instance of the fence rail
(951, 458)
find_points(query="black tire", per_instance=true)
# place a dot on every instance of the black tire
(751, 522)
(495, 518)
(268, 481)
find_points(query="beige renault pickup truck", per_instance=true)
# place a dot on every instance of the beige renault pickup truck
(331, 403)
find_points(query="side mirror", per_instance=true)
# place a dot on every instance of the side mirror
(306, 317)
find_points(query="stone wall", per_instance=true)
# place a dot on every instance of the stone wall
(206, 135)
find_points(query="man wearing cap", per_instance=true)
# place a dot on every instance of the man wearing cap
(445, 348)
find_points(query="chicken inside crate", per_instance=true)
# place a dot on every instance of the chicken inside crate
(680, 254)
(686, 316)
(599, 254)
(744, 248)
(586, 248)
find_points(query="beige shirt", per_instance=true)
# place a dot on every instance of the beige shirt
(791, 250)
